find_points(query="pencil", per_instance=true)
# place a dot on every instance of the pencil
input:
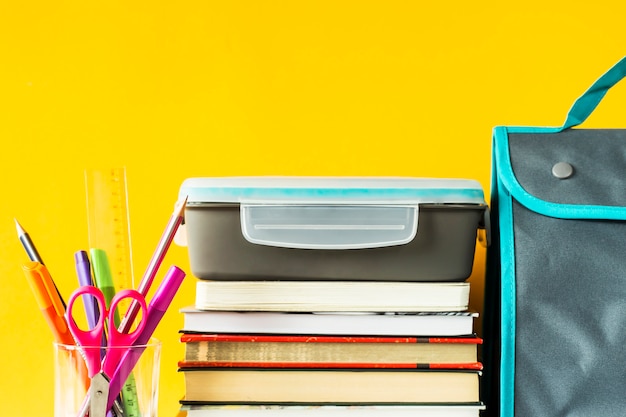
(32, 252)
(158, 256)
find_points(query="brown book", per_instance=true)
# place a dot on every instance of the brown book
(246, 350)
(358, 386)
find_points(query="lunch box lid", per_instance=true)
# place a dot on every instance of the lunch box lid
(331, 190)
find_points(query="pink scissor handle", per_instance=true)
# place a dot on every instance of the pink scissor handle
(90, 339)
(120, 343)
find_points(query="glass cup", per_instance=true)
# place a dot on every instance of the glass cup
(138, 396)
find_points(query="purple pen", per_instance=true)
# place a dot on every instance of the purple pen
(83, 269)
(156, 309)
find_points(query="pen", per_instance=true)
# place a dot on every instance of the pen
(48, 300)
(158, 256)
(156, 309)
(103, 277)
(83, 270)
(32, 253)
(53, 311)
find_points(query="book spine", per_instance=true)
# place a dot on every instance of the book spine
(183, 365)
(204, 337)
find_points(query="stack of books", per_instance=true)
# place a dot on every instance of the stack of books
(287, 348)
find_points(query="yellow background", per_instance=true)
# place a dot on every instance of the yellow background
(178, 89)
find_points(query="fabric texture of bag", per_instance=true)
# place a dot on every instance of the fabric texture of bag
(555, 300)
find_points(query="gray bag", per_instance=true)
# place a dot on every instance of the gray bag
(555, 312)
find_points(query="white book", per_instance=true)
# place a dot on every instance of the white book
(374, 324)
(332, 296)
(457, 410)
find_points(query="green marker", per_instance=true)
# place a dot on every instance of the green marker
(104, 279)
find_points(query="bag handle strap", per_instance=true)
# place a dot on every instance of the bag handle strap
(586, 104)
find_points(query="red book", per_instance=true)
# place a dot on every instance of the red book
(295, 351)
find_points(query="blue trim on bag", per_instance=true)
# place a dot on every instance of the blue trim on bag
(507, 262)
(546, 208)
(507, 289)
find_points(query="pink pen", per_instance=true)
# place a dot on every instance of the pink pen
(156, 309)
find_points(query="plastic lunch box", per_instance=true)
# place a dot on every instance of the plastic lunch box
(333, 228)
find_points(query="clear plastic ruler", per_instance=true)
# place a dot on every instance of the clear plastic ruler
(109, 230)
(108, 221)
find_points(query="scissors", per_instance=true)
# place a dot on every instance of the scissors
(117, 343)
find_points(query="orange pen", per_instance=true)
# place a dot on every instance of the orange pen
(48, 301)
(51, 306)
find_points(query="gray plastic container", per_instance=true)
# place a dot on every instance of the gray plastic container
(333, 228)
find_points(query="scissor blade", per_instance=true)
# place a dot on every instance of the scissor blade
(99, 395)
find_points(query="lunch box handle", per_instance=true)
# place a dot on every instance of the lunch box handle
(328, 226)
